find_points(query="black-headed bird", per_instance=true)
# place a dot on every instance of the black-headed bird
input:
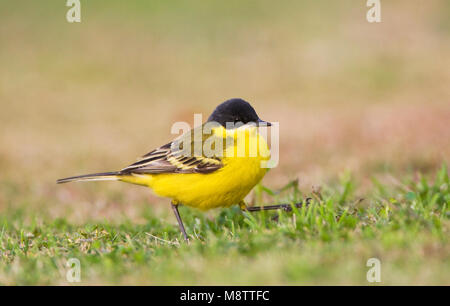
(214, 165)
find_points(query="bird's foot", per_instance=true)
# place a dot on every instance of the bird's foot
(285, 207)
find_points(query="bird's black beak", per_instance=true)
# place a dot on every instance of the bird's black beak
(263, 123)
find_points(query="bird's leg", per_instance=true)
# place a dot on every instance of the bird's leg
(242, 205)
(285, 207)
(180, 222)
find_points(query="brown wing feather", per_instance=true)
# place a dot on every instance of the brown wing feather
(168, 159)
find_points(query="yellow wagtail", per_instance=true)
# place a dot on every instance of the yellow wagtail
(227, 166)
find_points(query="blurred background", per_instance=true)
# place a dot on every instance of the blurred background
(372, 99)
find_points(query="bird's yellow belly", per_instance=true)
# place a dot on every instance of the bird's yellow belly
(221, 188)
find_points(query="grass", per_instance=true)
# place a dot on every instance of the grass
(329, 241)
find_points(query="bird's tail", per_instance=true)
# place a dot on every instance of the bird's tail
(105, 176)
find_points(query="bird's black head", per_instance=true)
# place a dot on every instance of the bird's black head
(235, 111)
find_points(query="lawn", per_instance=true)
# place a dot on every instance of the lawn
(327, 241)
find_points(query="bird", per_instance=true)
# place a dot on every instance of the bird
(214, 165)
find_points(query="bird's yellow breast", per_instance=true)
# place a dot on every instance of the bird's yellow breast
(243, 167)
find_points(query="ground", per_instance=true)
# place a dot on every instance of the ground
(363, 111)
(328, 241)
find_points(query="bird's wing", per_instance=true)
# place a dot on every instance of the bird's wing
(170, 158)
